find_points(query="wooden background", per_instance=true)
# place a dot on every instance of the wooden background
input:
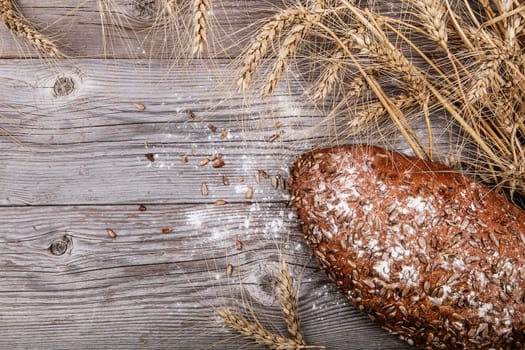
(73, 164)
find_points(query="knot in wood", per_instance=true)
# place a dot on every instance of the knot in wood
(60, 246)
(263, 284)
(145, 9)
(64, 86)
(137, 14)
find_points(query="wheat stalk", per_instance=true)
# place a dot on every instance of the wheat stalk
(288, 299)
(286, 51)
(200, 25)
(265, 37)
(332, 73)
(18, 25)
(433, 16)
(479, 84)
(257, 332)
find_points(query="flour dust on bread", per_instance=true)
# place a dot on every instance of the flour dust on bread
(425, 251)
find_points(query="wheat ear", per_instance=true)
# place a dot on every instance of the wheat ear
(392, 57)
(486, 78)
(432, 14)
(375, 111)
(169, 6)
(288, 299)
(513, 25)
(331, 74)
(288, 49)
(200, 25)
(328, 79)
(259, 47)
(17, 24)
(257, 332)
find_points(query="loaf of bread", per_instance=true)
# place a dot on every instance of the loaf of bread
(428, 253)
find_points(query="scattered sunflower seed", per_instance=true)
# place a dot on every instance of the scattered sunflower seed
(249, 193)
(139, 106)
(150, 157)
(273, 137)
(167, 230)
(203, 162)
(219, 163)
(111, 234)
(204, 189)
(275, 181)
(263, 174)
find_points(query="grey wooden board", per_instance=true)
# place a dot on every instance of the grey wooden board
(89, 147)
(80, 160)
(74, 165)
(146, 289)
(131, 32)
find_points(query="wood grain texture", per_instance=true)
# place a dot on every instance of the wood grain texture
(80, 168)
(131, 29)
(146, 289)
(90, 146)
(73, 150)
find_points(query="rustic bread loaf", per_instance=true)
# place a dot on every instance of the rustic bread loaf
(427, 252)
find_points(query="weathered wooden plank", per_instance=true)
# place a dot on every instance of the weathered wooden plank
(84, 143)
(134, 29)
(76, 151)
(89, 146)
(65, 284)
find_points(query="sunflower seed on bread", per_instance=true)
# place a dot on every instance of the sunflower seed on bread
(427, 252)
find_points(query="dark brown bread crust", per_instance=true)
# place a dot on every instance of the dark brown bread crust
(427, 252)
